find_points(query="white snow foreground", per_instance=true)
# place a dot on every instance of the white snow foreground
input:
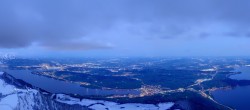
(104, 105)
(29, 99)
(11, 97)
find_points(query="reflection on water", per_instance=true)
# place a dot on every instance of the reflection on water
(237, 97)
(56, 86)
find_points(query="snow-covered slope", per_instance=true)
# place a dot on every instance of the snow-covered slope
(13, 98)
(7, 56)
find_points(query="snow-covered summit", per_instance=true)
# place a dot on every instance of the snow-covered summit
(7, 56)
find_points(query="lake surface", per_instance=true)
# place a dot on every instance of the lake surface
(238, 97)
(57, 86)
(244, 75)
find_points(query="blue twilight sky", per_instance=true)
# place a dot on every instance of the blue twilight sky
(125, 27)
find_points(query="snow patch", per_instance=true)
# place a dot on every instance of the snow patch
(103, 105)
(162, 106)
(98, 107)
(5, 88)
(10, 101)
(208, 70)
(5, 107)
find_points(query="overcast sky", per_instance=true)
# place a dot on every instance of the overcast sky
(125, 27)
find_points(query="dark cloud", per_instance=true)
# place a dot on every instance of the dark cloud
(74, 45)
(54, 24)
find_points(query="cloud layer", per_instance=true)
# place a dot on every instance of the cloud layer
(88, 24)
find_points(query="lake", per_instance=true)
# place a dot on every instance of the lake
(237, 97)
(57, 86)
(244, 75)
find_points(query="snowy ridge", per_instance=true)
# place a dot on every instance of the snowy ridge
(20, 99)
(12, 98)
(7, 56)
